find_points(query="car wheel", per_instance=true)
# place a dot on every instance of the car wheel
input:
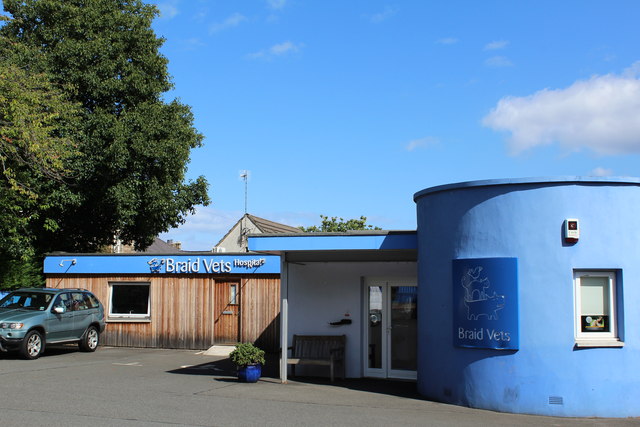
(32, 345)
(90, 339)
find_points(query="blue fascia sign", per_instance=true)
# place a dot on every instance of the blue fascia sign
(485, 298)
(159, 264)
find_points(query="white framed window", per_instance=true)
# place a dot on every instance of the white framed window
(130, 301)
(596, 321)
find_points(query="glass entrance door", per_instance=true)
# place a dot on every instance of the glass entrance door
(391, 336)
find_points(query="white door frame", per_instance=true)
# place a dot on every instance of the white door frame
(385, 370)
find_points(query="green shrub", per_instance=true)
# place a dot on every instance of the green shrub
(247, 354)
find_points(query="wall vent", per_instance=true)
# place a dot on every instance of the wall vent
(556, 400)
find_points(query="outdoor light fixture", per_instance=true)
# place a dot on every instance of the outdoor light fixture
(73, 262)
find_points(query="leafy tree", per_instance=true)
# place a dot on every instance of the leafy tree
(129, 177)
(35, 144)
(335, 224)
(21, 273)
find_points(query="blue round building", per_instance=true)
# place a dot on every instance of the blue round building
(526, 295)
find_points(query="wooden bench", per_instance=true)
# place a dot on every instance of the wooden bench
(319, 350)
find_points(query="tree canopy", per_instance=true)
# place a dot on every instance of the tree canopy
(36, 122)
(90, 150)
(335, 224)
(118, 170)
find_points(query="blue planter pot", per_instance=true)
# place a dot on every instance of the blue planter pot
(250, 373)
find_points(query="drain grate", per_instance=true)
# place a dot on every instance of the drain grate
(556, 400)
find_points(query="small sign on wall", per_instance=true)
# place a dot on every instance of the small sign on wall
(485, 297)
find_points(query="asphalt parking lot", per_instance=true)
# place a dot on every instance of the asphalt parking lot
(153, 387)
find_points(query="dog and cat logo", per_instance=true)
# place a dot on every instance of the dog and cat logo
(155, 265)
(485, 291)
(478, 298)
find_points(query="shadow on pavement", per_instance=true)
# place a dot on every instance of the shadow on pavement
(51, 350)
(223, 370)
(397, 388)
(226, 368)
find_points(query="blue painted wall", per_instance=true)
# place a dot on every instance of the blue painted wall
(523, 219)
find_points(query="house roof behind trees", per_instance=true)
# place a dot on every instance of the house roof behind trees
(270, 227)
(159, 246)
(235, 239)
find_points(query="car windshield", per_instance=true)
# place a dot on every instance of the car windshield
(26, 300)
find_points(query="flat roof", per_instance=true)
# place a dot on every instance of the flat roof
(367, 245)
(356, 240)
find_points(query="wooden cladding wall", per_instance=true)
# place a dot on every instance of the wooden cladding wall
(182, 309)
(260, 312)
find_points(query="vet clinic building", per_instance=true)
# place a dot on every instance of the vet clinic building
(515, 295)
(181, 300)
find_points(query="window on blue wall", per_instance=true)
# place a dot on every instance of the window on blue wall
(595, 306)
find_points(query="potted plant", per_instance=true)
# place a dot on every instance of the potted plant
(249, 360)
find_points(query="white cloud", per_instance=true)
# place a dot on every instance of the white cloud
(600, 171)
(421, 143)
(193, 43)
(282, 48)
(168, 9)
(447, 40)
(276, 50)
(276, 4)
(496, 45)
(201, 14)
(232, 21)
(498, 61)
(203, 229)
(387, 13)
(601, 114)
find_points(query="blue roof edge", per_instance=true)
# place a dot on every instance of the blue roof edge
(524, 181)
(396, 240)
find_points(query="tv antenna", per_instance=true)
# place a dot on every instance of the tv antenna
(244, 175)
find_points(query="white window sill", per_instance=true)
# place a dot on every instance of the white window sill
(600, 342)
(128, 320)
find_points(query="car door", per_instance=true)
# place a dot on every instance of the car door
(81, 313)
(60, 325)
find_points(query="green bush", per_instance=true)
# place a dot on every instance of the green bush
(247, 354)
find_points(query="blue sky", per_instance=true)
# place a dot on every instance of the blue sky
(348, 108)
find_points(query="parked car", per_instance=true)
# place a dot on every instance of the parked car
(30, 319)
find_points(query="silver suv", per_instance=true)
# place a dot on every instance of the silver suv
(32, 318)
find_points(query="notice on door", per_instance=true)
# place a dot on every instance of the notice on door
(485, 295)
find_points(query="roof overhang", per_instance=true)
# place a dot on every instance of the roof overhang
(350, 246)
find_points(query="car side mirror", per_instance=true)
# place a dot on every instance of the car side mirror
(58, 310)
